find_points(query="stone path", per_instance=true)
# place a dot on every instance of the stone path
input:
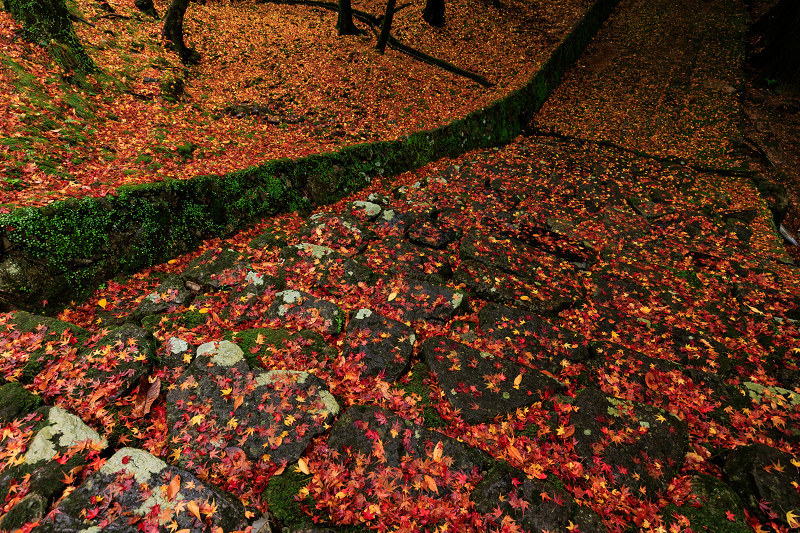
(548, 336)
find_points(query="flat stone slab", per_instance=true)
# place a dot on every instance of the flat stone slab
(342, 233)
(766, 480)
(642, 445)
(395, 254)
(384, 345)
(432, 234)
(37, 340)
(420, 300)
(307, 252)
(217, 268)
(535, 505)
(494, 285)
(531, 339)
(168, 297)
(403, 444)
(480, 385)
(60, 443)
(136, 491)
(314, 312)
(515, 257)
(98, 376)
(340, 276)
(219, 403)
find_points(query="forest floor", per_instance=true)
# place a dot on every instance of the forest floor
(274, 81)
(592, 328)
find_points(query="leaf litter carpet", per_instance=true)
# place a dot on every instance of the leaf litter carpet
(550, 336)
(274, 81)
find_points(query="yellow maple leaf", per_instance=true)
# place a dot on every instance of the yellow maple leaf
(102, 303)
(791, 519)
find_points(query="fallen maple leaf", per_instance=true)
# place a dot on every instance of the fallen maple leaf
(303, 466)
(431, 483)
(194, 509)
(651, 381)
(791, 519)
(173, 487)
(437, 451)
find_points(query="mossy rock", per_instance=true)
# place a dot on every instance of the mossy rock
(415, 385)
(272, 238)
(258, 342)
(189, 319)
(53, 330)
(280, 497)
(48, 22)
(716, 499)
(31, 508)
(16, 402)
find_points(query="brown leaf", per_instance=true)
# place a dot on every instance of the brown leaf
(141, 397)
(152, 394)
(437, 451)
(301, 463)
(194, 509)
(651, 381)
(173, 487)
(431, 484)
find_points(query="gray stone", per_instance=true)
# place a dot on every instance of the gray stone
(531, 339)
(384, 345)
(313, 312)
(480, 385)
(763, 475)
(129, 494)
(217, 268)
(217, 402)
(360, 427)
(520, 498)
(420, 300)
(61, 431)
(651, 447)
(397, 255)
(342, 233)
(168, 297)
(432, 234)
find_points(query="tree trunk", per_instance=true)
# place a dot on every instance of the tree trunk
(779, 56)
(386, 26)
(173, 28)
(48, 23)
(434, 13)
(345, 21)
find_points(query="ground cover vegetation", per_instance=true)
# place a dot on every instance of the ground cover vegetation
(273, 80)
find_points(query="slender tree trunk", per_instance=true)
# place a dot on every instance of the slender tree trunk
(434, 13)
(386, 26)
(345, 21)
(173, 28)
